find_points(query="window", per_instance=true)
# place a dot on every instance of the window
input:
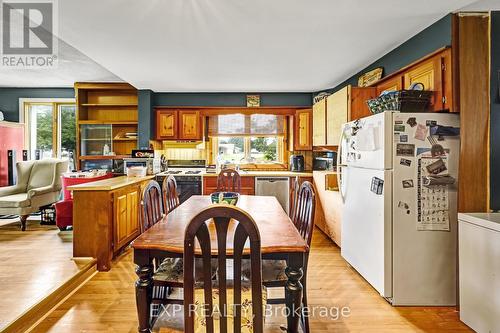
(243, 139)
(50, 129)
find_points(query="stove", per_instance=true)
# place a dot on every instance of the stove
(187, 174)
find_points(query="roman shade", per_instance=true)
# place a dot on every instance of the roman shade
(246, 125)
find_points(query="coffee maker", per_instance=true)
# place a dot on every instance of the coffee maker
(297, 163)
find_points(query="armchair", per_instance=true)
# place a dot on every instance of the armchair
(38, 184)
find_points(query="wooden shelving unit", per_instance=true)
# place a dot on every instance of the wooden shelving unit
(107, 104)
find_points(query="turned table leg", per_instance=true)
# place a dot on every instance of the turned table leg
(143, 294)
(293, 290)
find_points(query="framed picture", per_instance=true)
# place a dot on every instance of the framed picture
(253, 101)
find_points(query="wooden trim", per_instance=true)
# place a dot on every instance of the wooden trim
(104, 86)
(39, 311)
(405, 68)
(217, 110)
(455, 63)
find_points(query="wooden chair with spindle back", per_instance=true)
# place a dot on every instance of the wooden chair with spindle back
(170, 195)
(152, 208)
(294, 195)
(229, 180)
(201, 319)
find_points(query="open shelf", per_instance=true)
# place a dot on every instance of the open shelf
(103, 157)
(107, 122)
(108, 105)
(125, 139)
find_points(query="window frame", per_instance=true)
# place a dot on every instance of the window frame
(24, 117)
(281, 146)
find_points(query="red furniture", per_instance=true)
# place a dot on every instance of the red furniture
(64, 208)
(11, 138)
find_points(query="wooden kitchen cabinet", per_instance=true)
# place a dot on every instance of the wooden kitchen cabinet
(328, 208)
(394, 83)
(126, 214)
(429, 74)
(319, 123)
(347, 104)
(166, 124)
(190, 125)
(247, 185)
(302, 139)
(178, 124)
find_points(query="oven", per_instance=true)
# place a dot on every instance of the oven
(186, 185)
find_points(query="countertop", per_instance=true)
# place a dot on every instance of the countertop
(487, 220)
(109, 184)
(277, 173)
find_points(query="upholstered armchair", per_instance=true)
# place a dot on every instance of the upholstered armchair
(38, 185)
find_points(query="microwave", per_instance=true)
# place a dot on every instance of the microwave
(324, 160)
(153, 165)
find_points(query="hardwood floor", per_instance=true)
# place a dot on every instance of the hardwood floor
(34, 264)
(107, 302)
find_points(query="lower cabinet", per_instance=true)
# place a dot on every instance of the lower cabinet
(247, 185)
(126, 216)
(328, 208)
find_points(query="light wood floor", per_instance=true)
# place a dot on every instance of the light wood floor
(33, 264)
(107, 302)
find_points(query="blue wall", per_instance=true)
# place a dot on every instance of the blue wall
(495, 113)
(9, 98)
(148, 100)
(427, 41)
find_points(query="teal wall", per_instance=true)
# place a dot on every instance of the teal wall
(426, 41)
(9, 98)
(495, 112)
(148, 100)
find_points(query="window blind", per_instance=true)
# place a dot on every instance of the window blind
(246, 125)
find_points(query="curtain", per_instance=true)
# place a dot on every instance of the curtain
(246, 125)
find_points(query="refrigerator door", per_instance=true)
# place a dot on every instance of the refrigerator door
(424, 262)
(367, 142)
(366, 226)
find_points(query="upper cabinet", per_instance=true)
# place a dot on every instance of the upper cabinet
(347, 104)
(178, 124)
(319, 123)
(190, 125)
(434, 72)
(303, 130)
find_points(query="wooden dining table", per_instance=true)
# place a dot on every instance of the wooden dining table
(280, 240)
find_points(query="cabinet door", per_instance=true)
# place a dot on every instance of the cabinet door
(166, 124)
(121, 216)
(189, 125)
(319, 123)
(395, 83)
(133, 212)
(337, 108)
(303, 130)
(358, 107)
(429, 73)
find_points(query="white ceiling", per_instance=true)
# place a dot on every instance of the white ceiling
(232, 45)
(73, 66)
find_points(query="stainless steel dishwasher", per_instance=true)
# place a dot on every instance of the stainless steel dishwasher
(278, 187)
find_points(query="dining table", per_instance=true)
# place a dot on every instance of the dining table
(280, 240)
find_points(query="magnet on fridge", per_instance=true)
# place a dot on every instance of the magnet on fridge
(412, 121)
(377, 185)
(430, 123)
(403, 138)
(405, 162)
(407, 183)
(399, 128)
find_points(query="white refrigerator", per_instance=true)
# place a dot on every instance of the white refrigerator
(398, 177)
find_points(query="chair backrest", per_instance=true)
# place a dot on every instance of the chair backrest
(46, 172)
(152, 208)
(245, 229)
(170, 195)
(303, 217)
(229, 180)
(294, 195)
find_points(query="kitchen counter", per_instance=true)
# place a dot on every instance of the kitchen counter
(277, 173)
(109, 184)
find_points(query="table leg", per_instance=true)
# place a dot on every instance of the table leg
(293, 290)
(143, 290)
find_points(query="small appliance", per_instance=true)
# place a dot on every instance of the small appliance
(297, 163)
(153, 165)
(324, 160)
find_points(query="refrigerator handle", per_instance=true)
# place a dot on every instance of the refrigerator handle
(339, 165)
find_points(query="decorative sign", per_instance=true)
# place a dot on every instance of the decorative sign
(370, 77)
(253, 101)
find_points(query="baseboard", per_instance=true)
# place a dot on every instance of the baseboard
(39, 311)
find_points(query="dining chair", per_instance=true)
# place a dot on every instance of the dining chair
(152, 208)
(246, 311)
(273, 271)
(170, 194)
(229, 180)
(293, 195)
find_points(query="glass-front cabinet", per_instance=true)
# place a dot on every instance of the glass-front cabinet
(96, 140)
